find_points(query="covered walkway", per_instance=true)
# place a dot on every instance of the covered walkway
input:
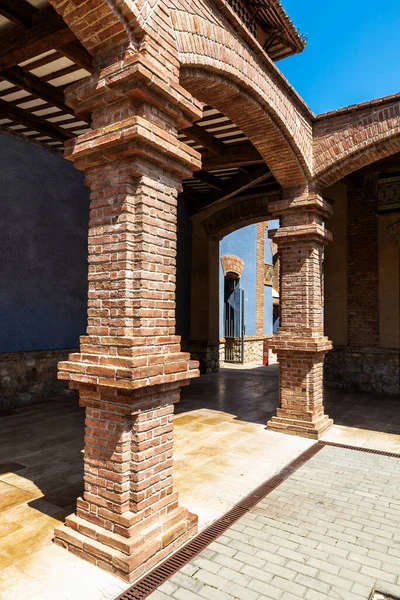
(222, 452)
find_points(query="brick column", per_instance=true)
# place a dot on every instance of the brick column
(130, 367)
(300, 342)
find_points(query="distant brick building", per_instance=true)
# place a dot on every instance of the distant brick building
(248, 294)
(185, 131)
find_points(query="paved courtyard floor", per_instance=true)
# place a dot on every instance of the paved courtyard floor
(222, 452)
(331, 530)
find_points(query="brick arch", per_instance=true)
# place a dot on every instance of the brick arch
(250, 117)
(218, 68)
(232, 264)
(103, 24)
(354, 138)
(236, 215)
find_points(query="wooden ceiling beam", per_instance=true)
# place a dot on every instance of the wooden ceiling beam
(34, 85)
(244, 181)
(78, 54)
(19, 12)
(32, 122)
(235, 186)
(209, 178)
(235, 156)
(48, 31)
(201, 136)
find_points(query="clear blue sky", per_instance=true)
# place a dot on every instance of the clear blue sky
(352, 53)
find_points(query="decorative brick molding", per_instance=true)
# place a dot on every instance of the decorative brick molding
(349, 139)
(30, 376)
(232, 264)
(300, 343)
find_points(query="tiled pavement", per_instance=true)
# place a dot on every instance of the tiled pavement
(222, 452)
(331, 530)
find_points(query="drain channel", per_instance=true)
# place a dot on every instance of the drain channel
(150, 582)
(367, 450)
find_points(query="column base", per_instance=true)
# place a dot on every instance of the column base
(289, 424)
(127, 558)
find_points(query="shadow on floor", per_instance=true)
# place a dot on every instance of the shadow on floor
(41, 445)
(250, 394)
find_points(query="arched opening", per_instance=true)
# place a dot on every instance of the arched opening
(233, 318)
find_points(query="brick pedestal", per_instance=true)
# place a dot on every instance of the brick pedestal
(300, 342)
(130, 366)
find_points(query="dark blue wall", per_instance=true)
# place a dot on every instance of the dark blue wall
(44, 209)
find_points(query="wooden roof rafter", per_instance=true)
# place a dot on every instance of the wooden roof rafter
(33, 38)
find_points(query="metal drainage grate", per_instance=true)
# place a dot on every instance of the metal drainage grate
(376, 595)
(150, 582)
(367, 450)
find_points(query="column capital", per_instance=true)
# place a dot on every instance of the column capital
(287, 342)
(303, 203)
(133, 74)
(311, 232)
(135, 112)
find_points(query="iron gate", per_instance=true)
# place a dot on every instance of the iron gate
(234, 326)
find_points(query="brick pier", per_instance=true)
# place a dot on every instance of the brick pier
(130, 366)
(300, 343)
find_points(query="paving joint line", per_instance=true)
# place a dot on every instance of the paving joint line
(171, 565)
(159, 574)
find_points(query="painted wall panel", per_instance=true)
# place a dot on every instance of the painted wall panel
(44, 209)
